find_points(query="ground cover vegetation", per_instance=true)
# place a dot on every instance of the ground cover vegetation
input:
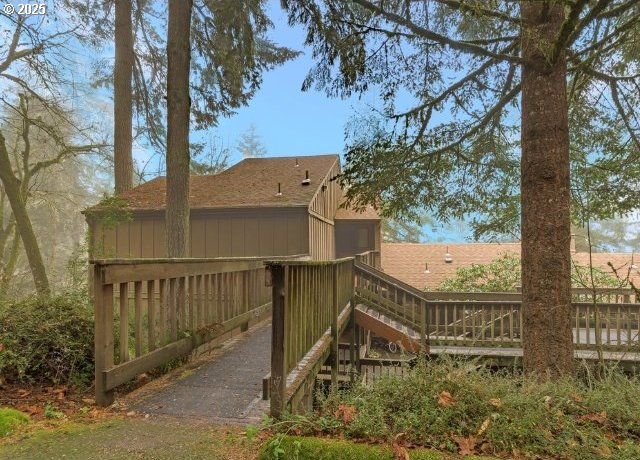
(10, 419)
(461, 407)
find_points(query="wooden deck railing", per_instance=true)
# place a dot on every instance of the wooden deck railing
(311, 307)
(397, 300)
(151, 311)
(605, 295)
(494, 319)
(371, 258)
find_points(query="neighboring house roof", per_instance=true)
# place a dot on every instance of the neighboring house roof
(368, 213)
(253, 182)
(406, 261)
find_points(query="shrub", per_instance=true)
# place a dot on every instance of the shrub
(47, 340)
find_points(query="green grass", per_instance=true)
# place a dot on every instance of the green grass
(308, 448)
(10, 419)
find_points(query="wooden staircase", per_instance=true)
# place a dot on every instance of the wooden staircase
(414, 319)
(388, 328)
(390, 308)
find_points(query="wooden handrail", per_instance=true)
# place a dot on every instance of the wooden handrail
(311, 306)
(150, 311)
(487, 319)
(363, 268)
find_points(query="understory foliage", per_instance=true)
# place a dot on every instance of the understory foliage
(464, 408)
(503, 274)
(47, 340)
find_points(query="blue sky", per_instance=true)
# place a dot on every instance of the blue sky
(289, 121)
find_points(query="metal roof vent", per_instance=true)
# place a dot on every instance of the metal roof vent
(426, 267)
(279, 190)
(297, 164)
(306, 180)
(447, 257)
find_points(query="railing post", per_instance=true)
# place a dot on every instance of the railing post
(423, 328)
(278, 341)
(335, 358)
(352, 342)
(103, 334)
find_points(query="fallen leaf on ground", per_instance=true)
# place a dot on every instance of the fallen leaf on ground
(484, 426)
(346, 413)
(485, 448)
(446, 400)
(399, 451)
(31, 410)
(496, 402)
(466, 446)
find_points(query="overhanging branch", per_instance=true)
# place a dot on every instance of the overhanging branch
(465, 47)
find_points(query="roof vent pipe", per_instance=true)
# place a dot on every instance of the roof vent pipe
(297, 164)
(279, 191)
(447, 257)
(306, 180)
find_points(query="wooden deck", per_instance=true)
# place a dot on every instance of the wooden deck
(149, 312)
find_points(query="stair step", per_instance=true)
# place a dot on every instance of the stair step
(389, 328)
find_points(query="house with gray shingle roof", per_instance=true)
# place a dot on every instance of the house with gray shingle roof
(258, 207)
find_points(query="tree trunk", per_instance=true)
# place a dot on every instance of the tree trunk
(178, 105)
(23, 223)
(10, 265)
(122, 99)
(545, 197)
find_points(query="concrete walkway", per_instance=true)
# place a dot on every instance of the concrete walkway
(227, 389)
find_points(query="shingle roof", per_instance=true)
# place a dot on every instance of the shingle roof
(253, 182)
(406, 261)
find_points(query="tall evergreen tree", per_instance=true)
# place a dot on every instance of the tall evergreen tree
(487, 132)
(122, 97)
(178, 105)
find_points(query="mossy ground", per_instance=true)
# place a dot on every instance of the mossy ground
(125, 438)
(303, 448)
(10, 419)
(130, 438)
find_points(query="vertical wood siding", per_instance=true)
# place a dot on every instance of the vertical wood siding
(243, 233)
(322, 211)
